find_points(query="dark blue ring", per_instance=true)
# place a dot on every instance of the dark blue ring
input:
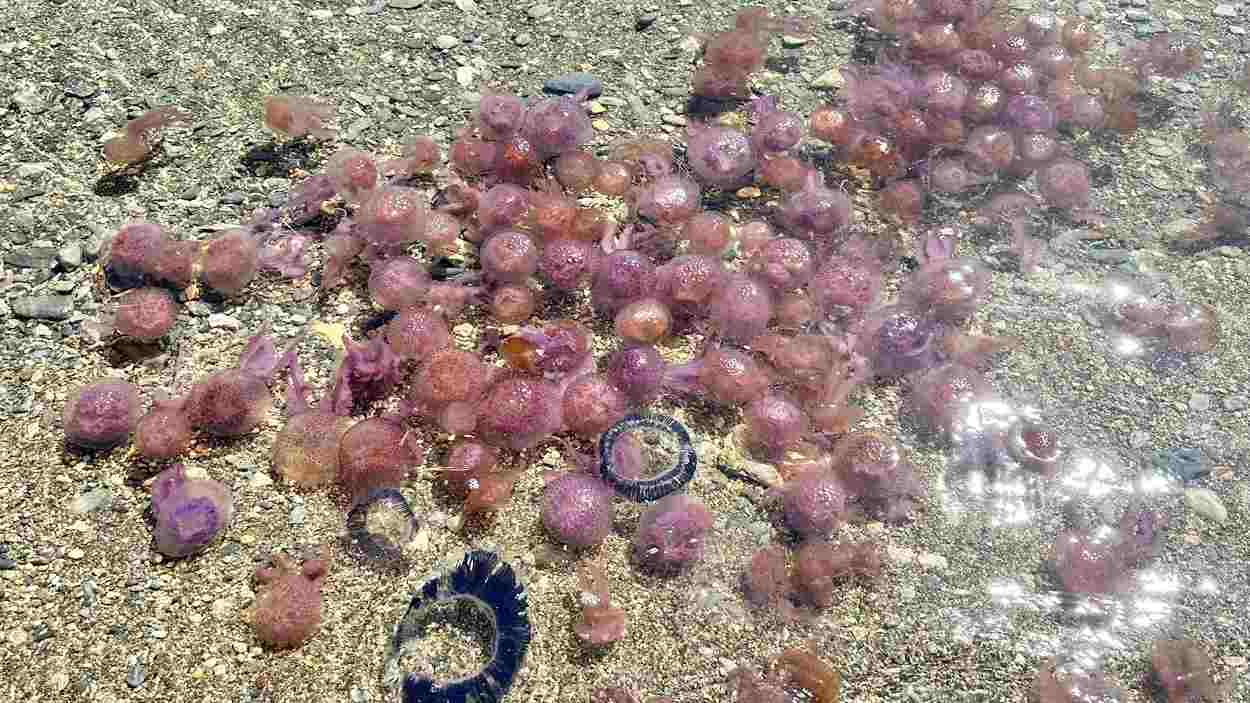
(655, 488)
(490, 584)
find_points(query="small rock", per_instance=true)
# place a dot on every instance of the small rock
(322, 14)
(571, 83)
(134, 672)
(1109, 256)
(222, 609)
(217, 30)
(445, 41)
(523, 39)
(222, 321)
(69, 256)
(75, 554)
(7, 564)
(466, 5)
(92, 501)
(199, 308)
(17, 637)
(191, 192)
(538, 12)
(1137, 16)
(1200, 402)
(829, 80)
(1185, 463)
(232, 198)
(673, 119)
(406, 4)
(1234, 403)
(260, 479)
(793, 42)
(297, 515)
(1086, 9)
(464, 75)
(29, 100)
(43, 307)
(31, 258)
(645, 21)
(759, 472)
(1223, 10)
(1204, 502)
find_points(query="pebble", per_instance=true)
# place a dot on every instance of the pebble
(199, 308)
(260, 479)
(673, 119)
(1185, 463)
(231, 198)
(69, 256)
(322, 14)
(220, 320)
(1200, 402)
(829, 80)
(571, 83)
(445, 41)
(32, 258)
(43, 307)
(17, 637)
(91, 501)
(464, 75)
(538, 12)
(406, 4)
(645, 21)
(523, 39)
(792, 42)
(297, 515)
(135, 674)
(1138, 16)
(7, 564)
(1223, 10)
(1206, 503)
(1236, 402)
(76, 554)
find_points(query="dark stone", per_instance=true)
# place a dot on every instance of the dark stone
(1109, 256)
(32, 258)
(1185, 463)
(645, 21)
(7, 564)
(41, 632)
(43, 307)
(28, 193)
(79, 88)
(571, 83)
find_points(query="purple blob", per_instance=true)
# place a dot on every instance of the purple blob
(101, 415)
(638, 372)
(720, 156)
(814, 503)
(1031, 113)
(189, 514)
(558, 125)
(671, 533)
(577, 510)
(398, 283)
(815, 210)
(899, 340)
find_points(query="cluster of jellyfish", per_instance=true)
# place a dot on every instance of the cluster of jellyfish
(790, 311)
